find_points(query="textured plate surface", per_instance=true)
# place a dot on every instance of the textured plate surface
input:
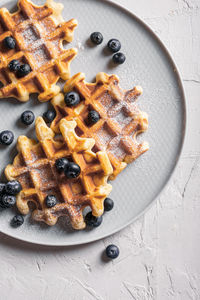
(149, 65)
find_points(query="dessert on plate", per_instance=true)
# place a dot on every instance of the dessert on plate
(107, 113)
(93, 136)
(55, 190)
(32, 57)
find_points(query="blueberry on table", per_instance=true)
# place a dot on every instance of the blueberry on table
(24, 70)
(108, 204)
(9, 42)
(114, 45)
(50, 201)
(72, 170)
(17, 221)
(112, 251)
(14, 65)
(119, 58)
(13, 187)
(8, 201)
(96, 38)
(93, 221)
(93, 117)
(6, 137)
(72, 99)
(2, 188)
(27, 117)
(49, 115)
(61, 164)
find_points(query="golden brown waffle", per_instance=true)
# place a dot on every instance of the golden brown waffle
(34, 167)
(120, 119)
(39, 32)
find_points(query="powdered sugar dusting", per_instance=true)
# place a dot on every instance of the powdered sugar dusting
(29, 35)
(41, 56)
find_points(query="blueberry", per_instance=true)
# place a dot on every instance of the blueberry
(119, 58)
(93, 117)
(72, 170)
(112, 251)
(61, 164)
(24, 70)
(9, 42)
(14, 65)
(93, 221)
(2, 188)
(96, 38)
(49, 115)
(108, 204)
(8, 201)
(72, 99)
(6, 137)
(17, 221)
(114, 45)
(13, 187)
(27, 117)
(50, 201)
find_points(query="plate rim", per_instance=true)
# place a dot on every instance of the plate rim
(183, 135)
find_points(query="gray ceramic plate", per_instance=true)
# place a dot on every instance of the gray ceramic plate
(149, 65)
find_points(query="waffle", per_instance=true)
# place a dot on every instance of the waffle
(39, 32)
(120, 119)
(34, 167)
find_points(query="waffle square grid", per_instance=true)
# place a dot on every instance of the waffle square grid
(120, 119)
(34, 167)
(39, 32)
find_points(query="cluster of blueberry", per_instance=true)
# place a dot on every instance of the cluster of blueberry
(113, 45)
(70, 169)
(15, 66)
(8, 192)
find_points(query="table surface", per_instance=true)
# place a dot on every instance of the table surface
(159, 254)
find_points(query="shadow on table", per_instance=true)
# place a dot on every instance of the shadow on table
(10, 242)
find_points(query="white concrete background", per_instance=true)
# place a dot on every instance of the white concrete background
(159, 253)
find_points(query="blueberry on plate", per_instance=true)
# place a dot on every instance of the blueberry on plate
(61, 164)
(2, 188)
(50, 201)
(72, 170)
(49, 115)
(13, 187)
(24, 70)
(72, 99)
(119, 58)
(14, 65)
(93, 221)
(93, 117)
(108, 204)
(17, 221)
(6, 137)
(112, 251)
(27, 117)
(8, 201)
(114, 45)
(96, 38)
(9, 42)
